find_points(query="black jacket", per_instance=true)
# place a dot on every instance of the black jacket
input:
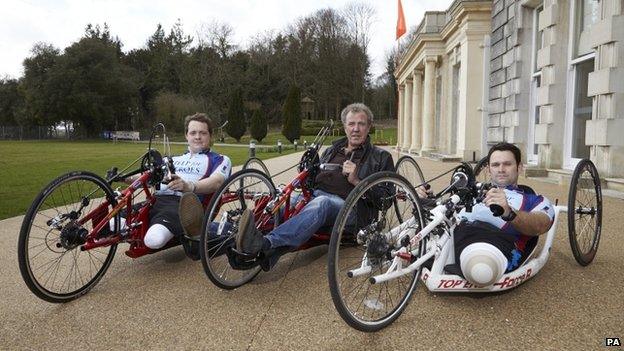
(373, 160)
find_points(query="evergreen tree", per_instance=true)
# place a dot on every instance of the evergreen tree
(291, 128)
(236, 116)
(258, 126)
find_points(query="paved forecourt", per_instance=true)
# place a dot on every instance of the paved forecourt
(165, 301)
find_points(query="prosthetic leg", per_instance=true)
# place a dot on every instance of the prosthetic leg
(482, 264)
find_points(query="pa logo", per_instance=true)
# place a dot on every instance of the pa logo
(613, 342)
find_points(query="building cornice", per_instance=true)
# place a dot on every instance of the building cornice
(457, 16)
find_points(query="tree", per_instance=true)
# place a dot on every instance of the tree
(41, 94)
(171, 109)
(236, 116)
(160, 66)
(94, 85)
(92, 88)
(292, 114)
(11, 101)
(258, 125)
(360, 18)
(217, 35)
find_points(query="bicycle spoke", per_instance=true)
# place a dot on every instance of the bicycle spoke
(51, 260)
(364, 305)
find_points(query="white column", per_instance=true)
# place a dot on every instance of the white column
(416, 112)
(400, 116)
(469, 118)
(429, 105)
(407, 116)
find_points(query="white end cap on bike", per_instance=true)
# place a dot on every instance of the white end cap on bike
(482, 264)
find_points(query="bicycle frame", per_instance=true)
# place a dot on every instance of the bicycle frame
(441, 248)
(266, 208)
(136, 220)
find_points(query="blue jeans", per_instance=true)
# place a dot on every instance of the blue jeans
(320, 212)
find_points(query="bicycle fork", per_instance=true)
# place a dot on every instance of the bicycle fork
(402, 232)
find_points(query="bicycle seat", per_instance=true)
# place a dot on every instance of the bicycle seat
(531, 244)
(529, 248)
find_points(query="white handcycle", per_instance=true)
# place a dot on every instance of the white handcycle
(372, 278)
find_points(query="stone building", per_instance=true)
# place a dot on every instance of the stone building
(552, 83)
(556, 83)
(441, 83)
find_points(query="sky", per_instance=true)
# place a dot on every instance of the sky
(62, 22)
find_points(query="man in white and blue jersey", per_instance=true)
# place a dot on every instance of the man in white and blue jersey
(199, 171)
(487, 246)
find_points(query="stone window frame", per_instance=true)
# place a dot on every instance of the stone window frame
(536, 32)
(534, 83)
(574, 59)
(569, 161)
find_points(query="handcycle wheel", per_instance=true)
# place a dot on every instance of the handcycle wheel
(480, 171)
(407, 167)
(247, 188)
(585, 212)
(50, 259)
(256, 163)
(363, 305)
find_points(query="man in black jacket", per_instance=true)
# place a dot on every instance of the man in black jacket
(359, 159)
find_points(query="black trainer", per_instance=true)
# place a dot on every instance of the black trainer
(248, 240)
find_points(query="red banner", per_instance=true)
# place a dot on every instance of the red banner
(400, 27)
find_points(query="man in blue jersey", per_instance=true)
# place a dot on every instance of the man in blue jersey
(199, 172)
(487, 246)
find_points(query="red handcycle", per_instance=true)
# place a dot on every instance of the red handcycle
(70, 233)
(254, 189)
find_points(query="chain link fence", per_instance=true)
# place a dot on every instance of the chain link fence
(33, 132)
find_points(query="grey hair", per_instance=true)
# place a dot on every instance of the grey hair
(356, 108)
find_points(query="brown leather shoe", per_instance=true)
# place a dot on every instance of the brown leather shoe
(191, 215)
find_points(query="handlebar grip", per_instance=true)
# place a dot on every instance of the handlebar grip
(330, 167)
(171, 166)
(111, 174)
(497, 210)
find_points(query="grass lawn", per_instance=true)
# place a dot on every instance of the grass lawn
(28, 166)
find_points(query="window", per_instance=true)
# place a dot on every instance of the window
(587, 14)
(582, 111)
(536, 78)
(535, 111)
(538, 35)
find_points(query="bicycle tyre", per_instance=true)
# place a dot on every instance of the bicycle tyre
(481, 175)
(407, 167)
(340, 265)
(213, 250)
(585, 212)
(256, 163)
(61, 237)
